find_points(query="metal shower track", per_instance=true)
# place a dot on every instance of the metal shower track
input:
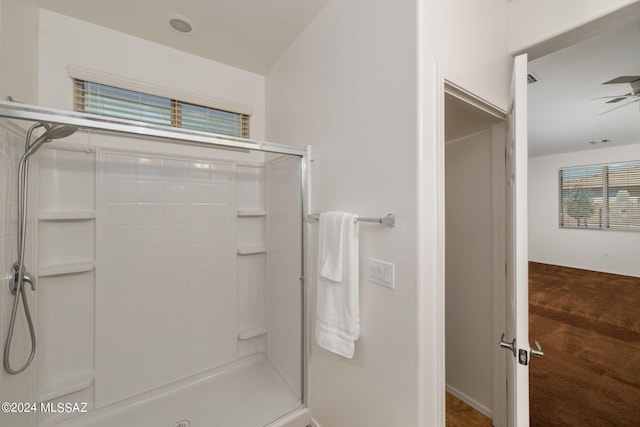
(19, 111)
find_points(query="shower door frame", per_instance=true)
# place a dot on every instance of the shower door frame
(96, 123)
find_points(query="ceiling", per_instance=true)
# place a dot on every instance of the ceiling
(563, 114)
(248, 34)
(253, 34)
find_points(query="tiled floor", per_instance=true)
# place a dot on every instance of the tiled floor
(459, 414)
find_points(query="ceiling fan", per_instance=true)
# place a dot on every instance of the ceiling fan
(631, 97)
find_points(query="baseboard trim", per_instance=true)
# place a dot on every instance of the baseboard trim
(471, 402)
(457, 393)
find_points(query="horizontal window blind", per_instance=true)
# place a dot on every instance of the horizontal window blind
(111, 101)
(207, 119)
(581, 197)
(623, 184)
(602, 197)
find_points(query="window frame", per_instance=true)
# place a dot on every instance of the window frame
(241, 121)
(604, 209)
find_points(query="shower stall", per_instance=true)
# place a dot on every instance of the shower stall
(170, 276)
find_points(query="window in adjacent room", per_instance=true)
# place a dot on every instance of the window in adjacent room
(111, 101)
(604, 197)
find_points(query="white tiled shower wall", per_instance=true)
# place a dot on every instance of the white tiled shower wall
(166, 303)
(169, 300)
(133, 209)
(65, 208)
(14, 388)
(251, 268)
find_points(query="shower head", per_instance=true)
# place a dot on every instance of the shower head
(59, 131)
(52, 132)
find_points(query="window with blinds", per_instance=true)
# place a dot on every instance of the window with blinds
(111, 101)
(604, 197)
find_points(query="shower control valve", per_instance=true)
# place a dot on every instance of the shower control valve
(15, 278)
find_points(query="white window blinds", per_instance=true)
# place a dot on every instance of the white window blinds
(97, 98)
(602, 197)
(623, 184)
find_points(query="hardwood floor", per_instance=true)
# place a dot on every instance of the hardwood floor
(589, 325)
(459, 414)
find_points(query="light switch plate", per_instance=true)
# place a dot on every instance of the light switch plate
(381, 273)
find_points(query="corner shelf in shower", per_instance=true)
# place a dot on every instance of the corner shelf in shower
(67, 268)
(251, 250)
(67, 216)
(251, 212)
(248, 332)
(65, 386)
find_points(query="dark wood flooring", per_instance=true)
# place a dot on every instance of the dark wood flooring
(589, 326)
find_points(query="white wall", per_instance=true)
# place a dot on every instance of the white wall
(534, 22)
(570, 247)
(469, 49)
(19, 50)
(469, 268)
(348, 86)
(67, 41)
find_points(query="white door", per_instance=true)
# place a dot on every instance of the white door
(516, 337)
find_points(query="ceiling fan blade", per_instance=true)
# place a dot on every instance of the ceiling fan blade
(618, 107)
(622, 79)
(614, 100)
(612, 97)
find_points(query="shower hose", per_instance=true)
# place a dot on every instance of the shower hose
(18, 272)
(20, 293)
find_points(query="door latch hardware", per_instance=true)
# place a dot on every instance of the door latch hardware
(537, 353)
(523, 357)
(508, 345)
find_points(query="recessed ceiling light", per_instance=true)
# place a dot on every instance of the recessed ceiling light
(180, 23)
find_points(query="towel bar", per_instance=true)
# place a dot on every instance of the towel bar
(389, 220)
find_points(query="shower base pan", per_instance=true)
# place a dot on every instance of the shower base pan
(247, 393)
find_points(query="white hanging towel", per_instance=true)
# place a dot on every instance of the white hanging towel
(338, 306)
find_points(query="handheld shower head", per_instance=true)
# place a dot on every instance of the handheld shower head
(52, 132)
(21, 276)
(59, 131)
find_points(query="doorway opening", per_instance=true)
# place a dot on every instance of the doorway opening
(582, 295)
(474, 259)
